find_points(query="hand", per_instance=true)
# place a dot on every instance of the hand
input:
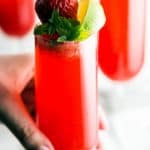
(28, 98)
(15, 116)
(11, 103)
(13, 81)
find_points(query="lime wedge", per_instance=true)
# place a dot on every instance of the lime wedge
(91, 16)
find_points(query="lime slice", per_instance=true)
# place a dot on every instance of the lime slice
(91, 16)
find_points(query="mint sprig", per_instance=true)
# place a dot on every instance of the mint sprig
(67, 29)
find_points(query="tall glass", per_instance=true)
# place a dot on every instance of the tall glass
(121, 41)
(66, 92)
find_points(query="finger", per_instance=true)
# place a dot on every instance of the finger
(15, 116)
(99, 142)
(103, 123)
(21, 69)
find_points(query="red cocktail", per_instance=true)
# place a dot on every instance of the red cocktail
(66, 92)
(121, 43)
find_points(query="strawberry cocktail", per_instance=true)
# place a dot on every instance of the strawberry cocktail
(66, 79)
(66, 93)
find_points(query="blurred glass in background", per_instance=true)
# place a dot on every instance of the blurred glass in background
(127, 105)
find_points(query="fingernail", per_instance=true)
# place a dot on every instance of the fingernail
(44, 148)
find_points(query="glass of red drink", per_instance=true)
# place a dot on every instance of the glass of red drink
(121, 40)
(66, 92)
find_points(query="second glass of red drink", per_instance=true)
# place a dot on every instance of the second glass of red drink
(121, 40)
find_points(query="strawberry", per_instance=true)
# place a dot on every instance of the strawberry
(66, 8)
(43, 10)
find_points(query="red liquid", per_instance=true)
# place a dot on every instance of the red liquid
(121, 41)
(66, 93)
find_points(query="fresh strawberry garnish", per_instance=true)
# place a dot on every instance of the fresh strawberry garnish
(43, 10)
(66, 8)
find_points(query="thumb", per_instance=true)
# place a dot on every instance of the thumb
(17, 119)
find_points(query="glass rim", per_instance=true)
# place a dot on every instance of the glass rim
(47, 37)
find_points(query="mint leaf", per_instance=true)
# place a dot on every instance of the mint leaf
(67, 29)
(62, 38)
(41, 29)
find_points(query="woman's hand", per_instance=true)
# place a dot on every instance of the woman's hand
(15, 74)
(16, 117)
(28, 97)
(12, 109)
